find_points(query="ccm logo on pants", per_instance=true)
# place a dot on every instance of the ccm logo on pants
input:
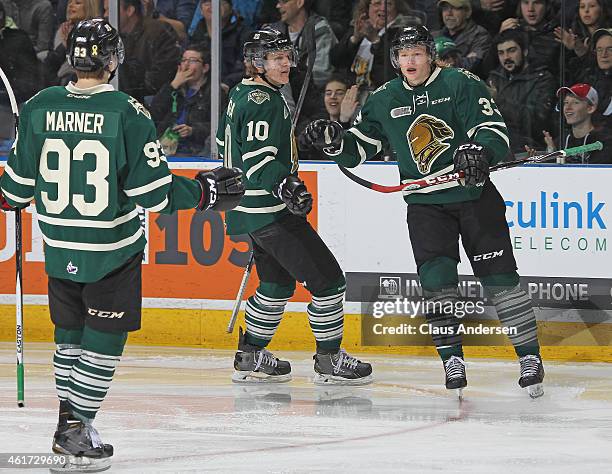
(487, 256)
(105, 314)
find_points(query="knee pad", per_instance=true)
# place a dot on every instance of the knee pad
(438, 273)
(276, 291)
(497, 284)
(106, 343)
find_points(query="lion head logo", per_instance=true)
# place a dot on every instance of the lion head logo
(426, 138)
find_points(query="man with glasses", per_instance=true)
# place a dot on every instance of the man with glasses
(181, 109)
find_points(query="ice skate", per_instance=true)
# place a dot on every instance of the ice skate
(532, 375)
(341, 369)
(253, 364)
(83, 448)
(455, 375)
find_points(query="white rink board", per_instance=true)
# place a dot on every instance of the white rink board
(368, 233)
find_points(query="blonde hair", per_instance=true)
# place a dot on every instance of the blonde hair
(91, 8)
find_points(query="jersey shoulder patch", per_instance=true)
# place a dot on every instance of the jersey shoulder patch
(258, 96)
(468, 74)
(138, 107)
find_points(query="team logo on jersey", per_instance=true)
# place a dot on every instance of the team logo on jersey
(259, 97)
(139, 108)
(72, 269)
(426, 137)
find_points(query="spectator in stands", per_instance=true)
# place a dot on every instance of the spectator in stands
(150, 51)
(18, 61)
(592, 15)
(307, 31)
(595, 68)
(362, 51)
(341, 105)
(536, 19)
(177, 13)
(341, 100)
(57, 69)
(35, 17)
(183, 105)
(490, 13)
(524, 92)
(448, 53)
(579, 106)
(233, 35)
(472, 40)
(338, 13)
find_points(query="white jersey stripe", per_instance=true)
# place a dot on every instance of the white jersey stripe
(260, 210)
(94, 247)
(266, 149)
(262, 163)
(87, 223)
(149, 187)
(18, 179)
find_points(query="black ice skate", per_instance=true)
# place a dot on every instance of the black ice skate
(532, 375)
(82, 446)
(254, 364)
(455, 375)
(341, 369)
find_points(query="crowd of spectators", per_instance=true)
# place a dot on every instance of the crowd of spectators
(538, 57)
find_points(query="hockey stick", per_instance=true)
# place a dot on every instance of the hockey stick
(446, 178)
(312, 51)
(18, 262)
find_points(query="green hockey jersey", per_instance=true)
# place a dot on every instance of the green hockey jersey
(255, 135)
(425, 125)
(87, 157)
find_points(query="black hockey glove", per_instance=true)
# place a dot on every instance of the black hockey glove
(325, 136)
(473, 159)
(4, 205)
(292, 191)
(222, 188)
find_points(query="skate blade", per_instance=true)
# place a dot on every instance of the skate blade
(535, 391)
(82, 464)
(322, 379)
(248, 377)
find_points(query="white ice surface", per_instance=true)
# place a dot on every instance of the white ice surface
(176, 410)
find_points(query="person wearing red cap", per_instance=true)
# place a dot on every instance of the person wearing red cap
(579, 104)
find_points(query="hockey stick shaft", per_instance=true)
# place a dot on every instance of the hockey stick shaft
(240, 295)
(298, 108)
(446, 178)
(18, 263)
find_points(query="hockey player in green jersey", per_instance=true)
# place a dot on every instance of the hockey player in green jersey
(440, 120)
(255, 134)
(87, 155)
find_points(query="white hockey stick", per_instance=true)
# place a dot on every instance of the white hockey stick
(18, 262)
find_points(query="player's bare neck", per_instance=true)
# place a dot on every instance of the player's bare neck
(267, 82)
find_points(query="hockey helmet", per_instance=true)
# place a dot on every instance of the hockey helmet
(262, 42)
(92, 44)
(409, 37)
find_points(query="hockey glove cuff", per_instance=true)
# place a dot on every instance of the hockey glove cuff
(222, 188)
(292, 191)
(473, 159)
(325, 136)
(4, 205)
